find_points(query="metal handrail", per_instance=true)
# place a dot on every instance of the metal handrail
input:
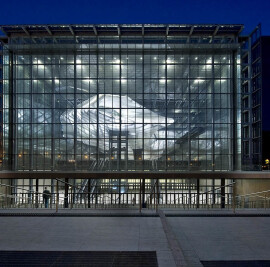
(212, 191)
(31, 191)
(32, 197)
(255, 193)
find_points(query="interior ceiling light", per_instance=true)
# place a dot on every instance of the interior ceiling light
(88, 80)
(198, 80)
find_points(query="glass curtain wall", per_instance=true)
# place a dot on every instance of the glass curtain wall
(128, 107)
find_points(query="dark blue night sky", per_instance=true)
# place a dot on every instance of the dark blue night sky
(248, 12)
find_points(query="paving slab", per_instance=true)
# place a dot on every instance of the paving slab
(208, 235)
(225, 238)
(86, 234)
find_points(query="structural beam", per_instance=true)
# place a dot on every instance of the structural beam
(191, 30)
(134, 175)
(216, 30)
(95, 30)
(48, 30)
(25, 30)
(71, 30)
(117, 29)
(167, 30)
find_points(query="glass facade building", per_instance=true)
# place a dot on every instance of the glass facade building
(122, 98)
(126, 114)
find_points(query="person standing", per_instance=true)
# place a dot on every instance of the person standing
(133, 201)
(46, 197)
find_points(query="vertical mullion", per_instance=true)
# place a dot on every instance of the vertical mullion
(166, 105)
(189, 128)
(52, 121)
(213, 119)
(75, 109)
(11, 151)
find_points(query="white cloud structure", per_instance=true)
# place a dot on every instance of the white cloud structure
(100, 114)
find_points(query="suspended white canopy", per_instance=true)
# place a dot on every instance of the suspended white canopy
(100, 114)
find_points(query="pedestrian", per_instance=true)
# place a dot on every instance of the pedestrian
(46, 197)
(133, 201)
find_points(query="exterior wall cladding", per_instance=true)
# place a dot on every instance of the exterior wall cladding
(130, 98)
